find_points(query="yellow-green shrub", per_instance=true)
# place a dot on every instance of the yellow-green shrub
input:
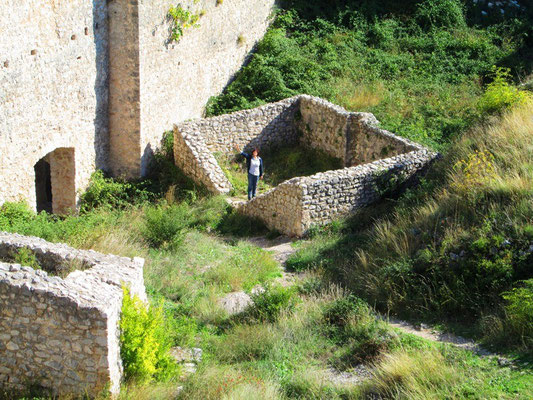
(500, 95)
(144, 344)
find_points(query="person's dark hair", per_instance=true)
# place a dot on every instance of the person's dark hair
(254, 150)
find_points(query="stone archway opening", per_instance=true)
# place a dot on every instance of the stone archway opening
(55, 182)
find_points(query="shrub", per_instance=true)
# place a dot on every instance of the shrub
(474, 171)
(165, 225)
(11, 214)
(112, 194)
(519, 312)
(340, 311)
(432, 14)
(144, 343)
(269, 303)
(500, 95)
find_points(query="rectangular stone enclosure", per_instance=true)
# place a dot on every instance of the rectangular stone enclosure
(375, 160)
(62, 335)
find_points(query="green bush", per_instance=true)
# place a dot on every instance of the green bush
(354, 326)
(420, 76)
(500, 95)
(165, 225)
(340, 311)
(144, 341)
(269, 303)
(433, 14)
(519, 313)
(12, 214)
(112, 194)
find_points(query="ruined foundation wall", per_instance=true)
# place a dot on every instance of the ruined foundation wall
(280, 208)
(62, 334)
(199, 164)
(330, 195)
(266, 127)
(367, 142)
(324, 126)
(53, 93)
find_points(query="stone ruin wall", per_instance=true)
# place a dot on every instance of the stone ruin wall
(299, 203)
(266, 127)
(330, 195)
(62, 334)
(101, 79)
(281, 209)
(292, 207)
(353, 137)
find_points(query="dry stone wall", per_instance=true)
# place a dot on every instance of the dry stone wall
(299, 203)
(330, 195)
(62, 334)
(324, 126)
(370, 155)
(282, 208)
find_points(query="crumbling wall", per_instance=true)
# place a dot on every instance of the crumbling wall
(324, 126)
(330, 195)
(62, 334)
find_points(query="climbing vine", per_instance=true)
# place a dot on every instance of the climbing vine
(182, 19)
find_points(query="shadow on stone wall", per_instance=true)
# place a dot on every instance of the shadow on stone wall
(101, 84)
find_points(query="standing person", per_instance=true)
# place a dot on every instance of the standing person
(254, 167)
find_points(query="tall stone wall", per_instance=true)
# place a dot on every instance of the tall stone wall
(53, 89)
(124, 88)
(103, 78)
(177, 79)
(62, 334)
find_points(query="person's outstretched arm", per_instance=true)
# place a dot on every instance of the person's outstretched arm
(242, 153)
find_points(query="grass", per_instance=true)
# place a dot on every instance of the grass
(280, 165)
(419, 73)
(450, 249)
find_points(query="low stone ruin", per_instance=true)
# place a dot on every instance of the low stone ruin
(57, 334)
(375, 160)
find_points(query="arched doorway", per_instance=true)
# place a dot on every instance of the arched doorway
(55, 182)
(43, 185)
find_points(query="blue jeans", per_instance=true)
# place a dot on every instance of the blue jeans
(252, 185)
